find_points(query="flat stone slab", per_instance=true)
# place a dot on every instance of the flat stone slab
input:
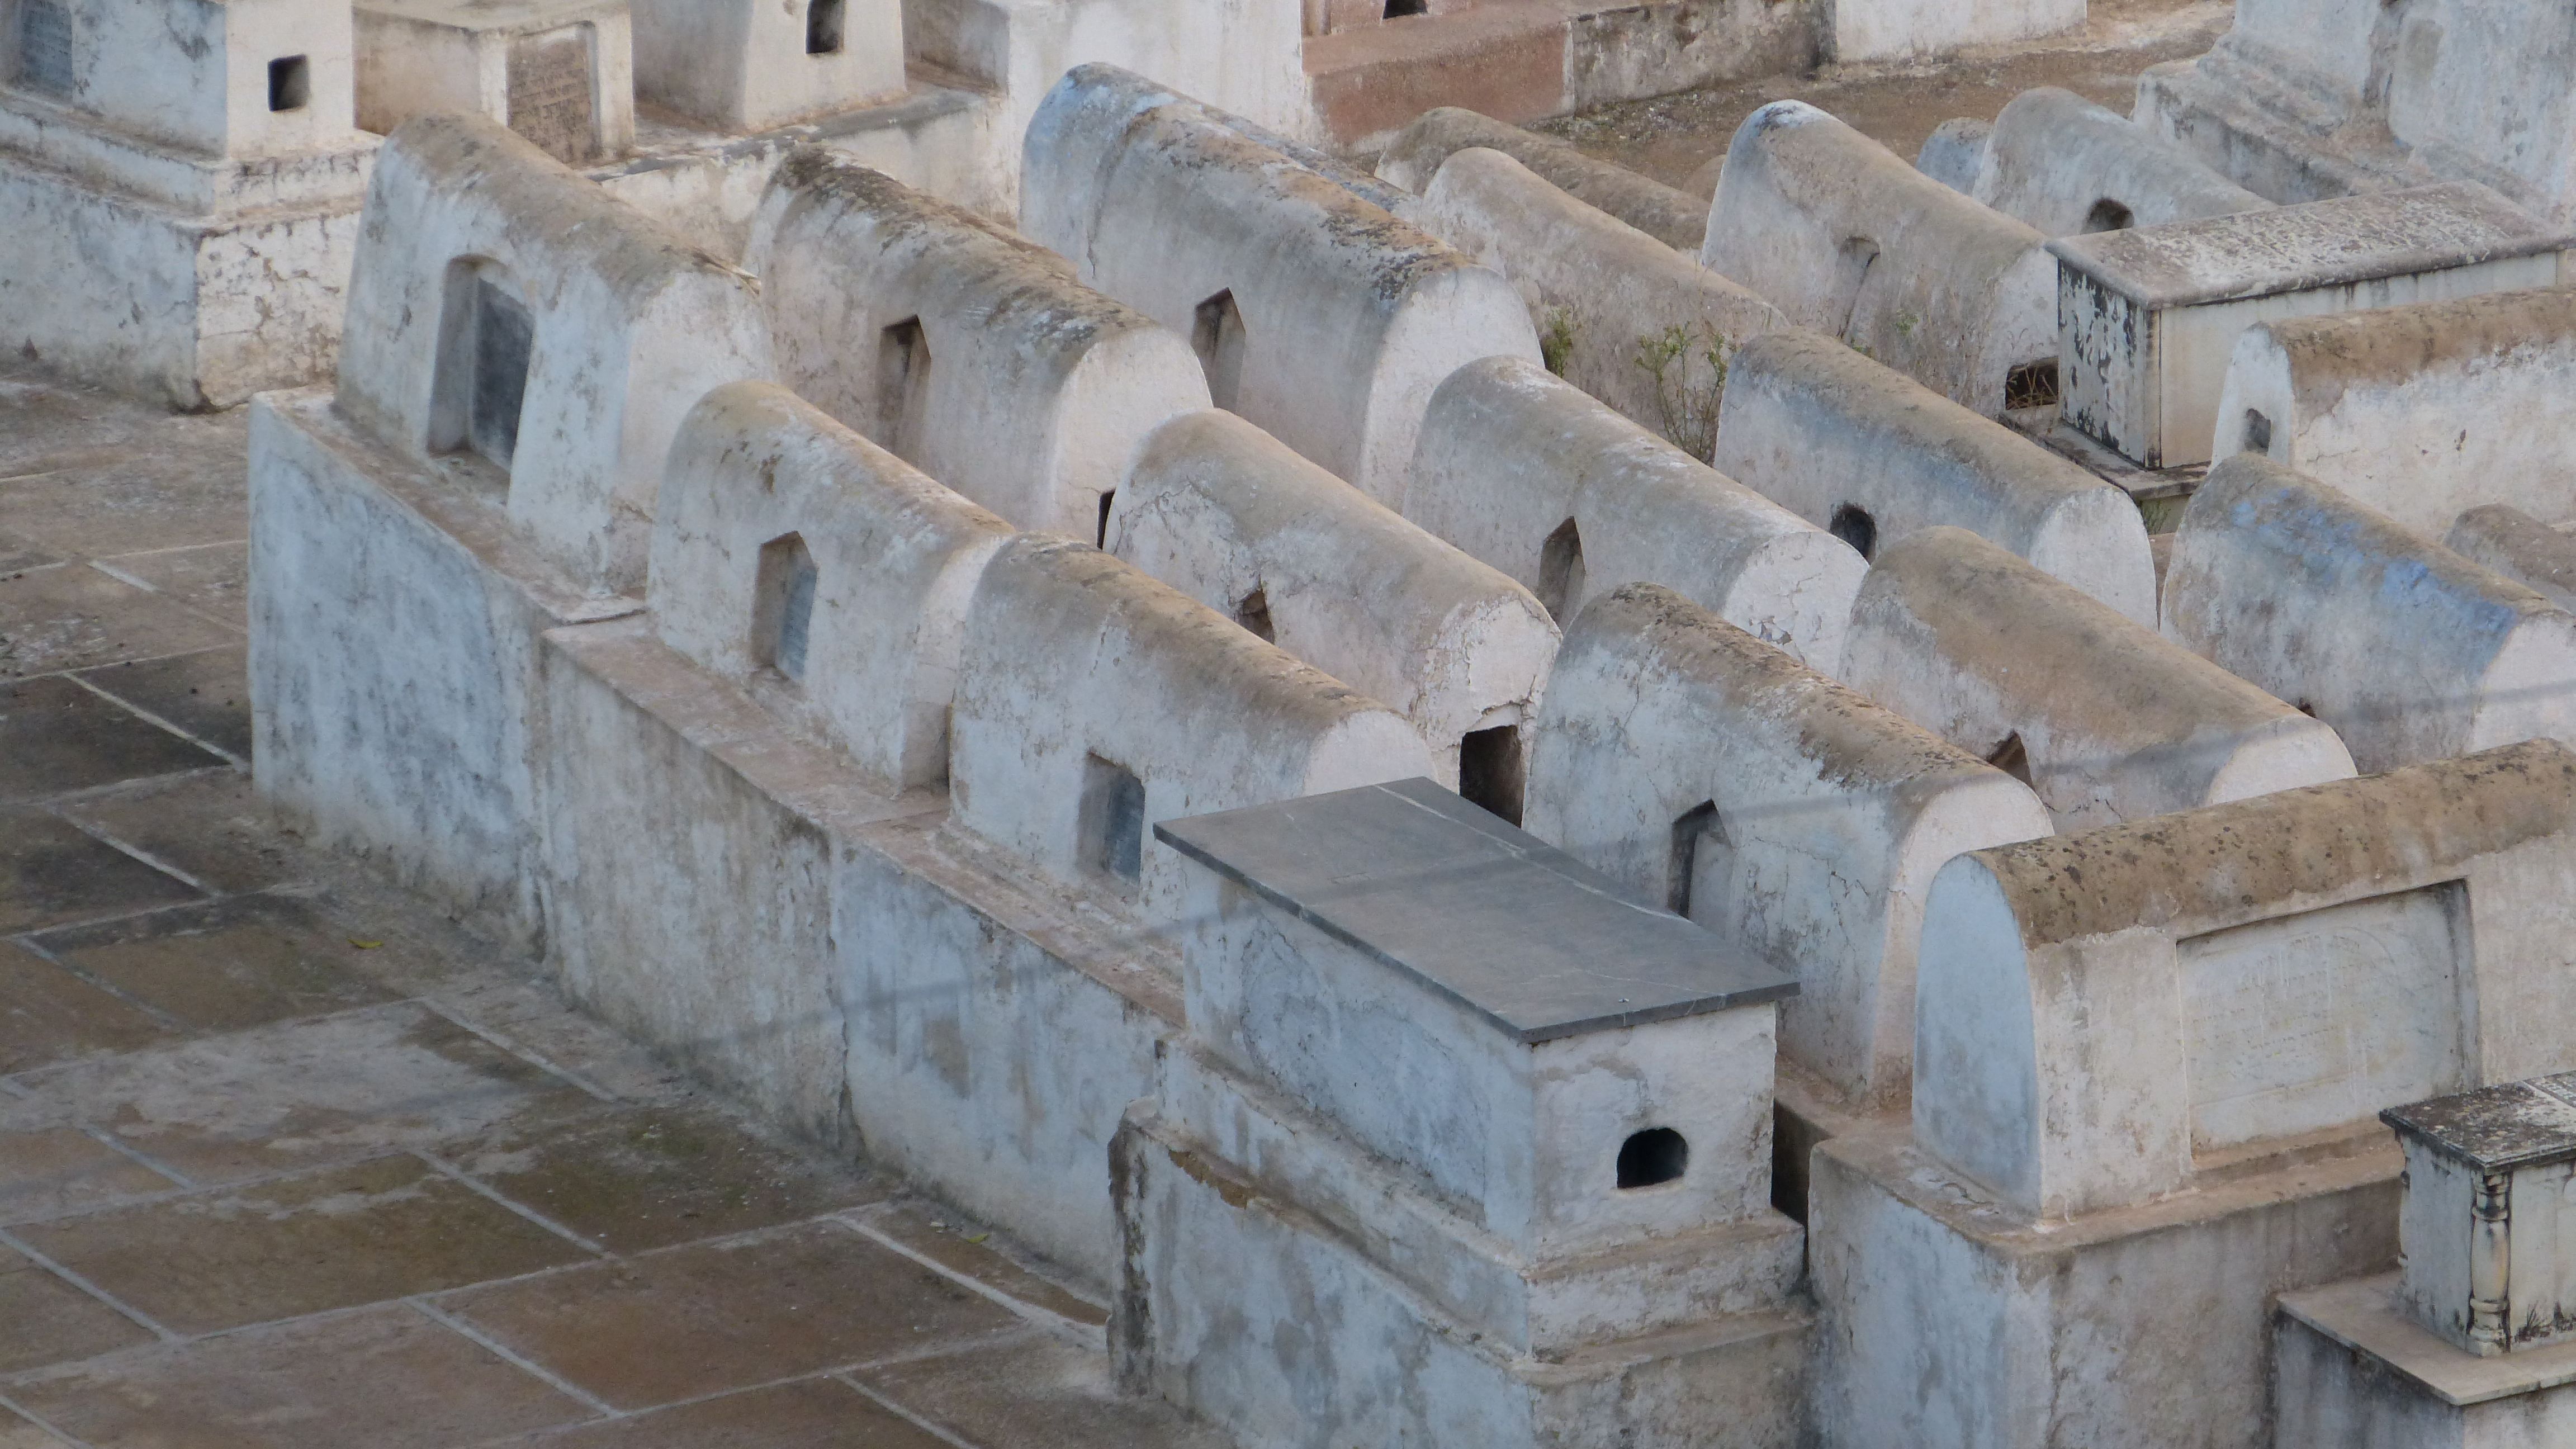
(2362, 1315)
(2314, 244)
(2496, 1128)
(1478, 910)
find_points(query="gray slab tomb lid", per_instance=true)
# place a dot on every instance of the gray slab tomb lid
(2313, 244)
(2495, 1128)
(1476, 909)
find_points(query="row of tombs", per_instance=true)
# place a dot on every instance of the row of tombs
(1510, 835)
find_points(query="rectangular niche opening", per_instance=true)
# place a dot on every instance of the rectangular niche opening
(44, 47)
(487, 339)
(824, 22)
(1490, 771)
(290, 83)
(783, 606)
(2031, 385)
(903, 389)
(1112, 820)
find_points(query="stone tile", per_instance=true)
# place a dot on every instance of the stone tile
(360, 1233)
(17, 554)
(327, 1089)
(1034, 1390)
(17, 1433)
(56, 736)
(213, 578)
(72, 616)
(41, 417)
(687, 1322)
(44, 1320)
(381, 1378)
(807, 1414)
(649, 1177)
(533, 1017)
(49, 1015)
(206, 694)
(967, 1250)
(212, 825)
(226, 965)
(57, 1170)
(187, 484)
(51, 873)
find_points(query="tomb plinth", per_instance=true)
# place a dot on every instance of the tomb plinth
(2490, 1177)
(2148, 317)
(559, 72)
(2473, 1341)
(1444, 1081)
(179, 184)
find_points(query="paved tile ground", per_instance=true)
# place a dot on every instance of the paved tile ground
(288, 1160)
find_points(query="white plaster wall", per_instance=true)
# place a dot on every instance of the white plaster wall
(100, 289)
(1040, 390)
(2034, 954)
(1246, 56)
(1609, 291)
(997, 1031)
(1221, 511)
(2054, 156)
(2480, 89)
(2116, 722)
(193, 74)
(896, 559)
(1845, 238)
(1071, 653)
(632, 326)
(741, 65)
(2421, 412)
(1832, 813)
(1350, 316)
(2410, 651)
(1509, 454)
(1814, 426)
(1919, 29)
(393, 662)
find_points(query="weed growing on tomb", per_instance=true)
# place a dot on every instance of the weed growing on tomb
(1686, 393)
(1556, 340)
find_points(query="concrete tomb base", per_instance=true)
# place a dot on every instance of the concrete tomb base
(2354, 1371)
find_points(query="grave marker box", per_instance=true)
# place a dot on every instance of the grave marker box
(2148, 317)
(2489, 1222)
(559, 72)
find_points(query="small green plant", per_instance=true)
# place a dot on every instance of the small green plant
(1688, 365)
(1556, 340)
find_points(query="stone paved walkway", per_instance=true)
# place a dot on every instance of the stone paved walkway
(287, 1160)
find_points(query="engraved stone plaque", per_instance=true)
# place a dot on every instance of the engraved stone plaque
(2316, 1020)
(550, 93)
(45, 47)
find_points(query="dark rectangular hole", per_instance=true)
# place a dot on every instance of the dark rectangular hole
(823, 23)
(44, 47)
(1490, 770)
(1112, 820)
(2031, 385)
(290, 83)
(504, 336)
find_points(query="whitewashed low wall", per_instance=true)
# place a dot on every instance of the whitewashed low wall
(962, 348)
(2111, 721)
(1827, 815)
(2421, 412)
(631, 326)
(1619, 314)
(1920, 29)
(749, 65)
(1530, 475)
(1228, 515)
(2194, 940)
(1820, 430)
(2066, 165)
(1843, 236)
(895, 559)
(1675, 218)
(2410, 651)
(1078, 666)
(2522, 548)
(1323, 318)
